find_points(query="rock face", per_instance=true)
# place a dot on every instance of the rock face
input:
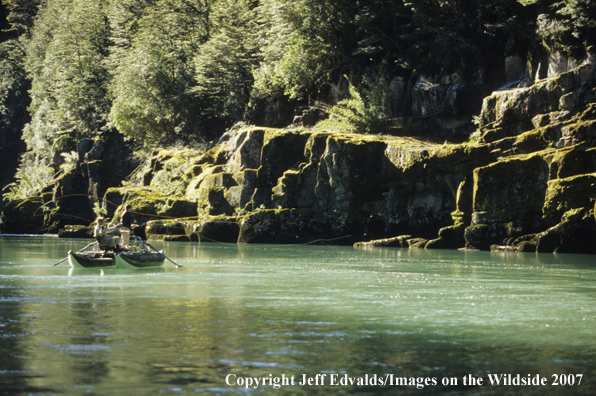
(299, 186)
(540, 194)
(71, 197)
(527, 184)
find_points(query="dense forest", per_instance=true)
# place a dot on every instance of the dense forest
(180, 72)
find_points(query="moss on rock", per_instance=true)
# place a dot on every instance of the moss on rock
(510, 190)
(399, 241)
(149, 204)
(571, 193)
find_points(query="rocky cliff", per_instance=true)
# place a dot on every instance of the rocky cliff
(527, 184)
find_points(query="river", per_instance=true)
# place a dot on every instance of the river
(300, 320)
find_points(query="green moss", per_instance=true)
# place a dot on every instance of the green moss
(149, 203)
(215, 156)
(399, 241)
(537, 139)
(571, 193)
(511, 189)
(171, 170)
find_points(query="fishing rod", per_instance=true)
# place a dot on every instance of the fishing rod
(66, 258)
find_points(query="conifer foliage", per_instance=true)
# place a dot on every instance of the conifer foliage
(165, 71)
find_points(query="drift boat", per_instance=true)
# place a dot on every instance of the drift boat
(126, 259)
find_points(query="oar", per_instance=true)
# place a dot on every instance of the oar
(66, 258)
(177, 265)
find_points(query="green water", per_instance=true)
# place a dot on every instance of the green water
(237, 312)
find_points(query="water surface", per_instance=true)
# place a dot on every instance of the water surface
(234, 312)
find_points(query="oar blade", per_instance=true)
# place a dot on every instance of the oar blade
(66, 258)
(177, 265)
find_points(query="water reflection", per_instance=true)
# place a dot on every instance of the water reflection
(271, 310)
(76, 271)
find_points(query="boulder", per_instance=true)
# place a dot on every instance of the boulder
(148, 204)
(399, 241)
(511, 190)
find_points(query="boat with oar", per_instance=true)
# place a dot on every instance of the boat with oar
(126, 259)
(137, 256)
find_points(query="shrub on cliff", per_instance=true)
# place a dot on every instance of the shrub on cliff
(354, 114)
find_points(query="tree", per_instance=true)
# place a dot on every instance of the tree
(153, 67)
(13, 107)
(65, 62)
(357, 114)
(303, 41)
(69, 79)
(569, 26)
(225, 63)
(21, 15)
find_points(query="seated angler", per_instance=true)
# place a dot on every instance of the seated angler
(107, 238)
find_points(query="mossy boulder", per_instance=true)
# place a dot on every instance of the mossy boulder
(580, 132)
(574, 162)
(172, 170)
(105, 162)
(563, 195)
(65, 204)
(271, 226)
(207, 178)
(211, 201)
(511, 190)
(246, 150)
(148, 204)
(170, 230)
(510, 112)
(575, 233)
(285, 193)
(281, 151)
(354, 171)
(240, 195)
(482, 236)
(399, 241)
(451, 237)
(294, 226)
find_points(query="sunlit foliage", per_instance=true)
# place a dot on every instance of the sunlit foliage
(224, 64)
(165, 71)
(153, 72)
(368, 114)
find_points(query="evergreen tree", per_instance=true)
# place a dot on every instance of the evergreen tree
(65, 62)
(13, 107)
(225, 63)
(303, 42)
(568, 26)
(21, 15)
(153, 67)
(69, 79)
